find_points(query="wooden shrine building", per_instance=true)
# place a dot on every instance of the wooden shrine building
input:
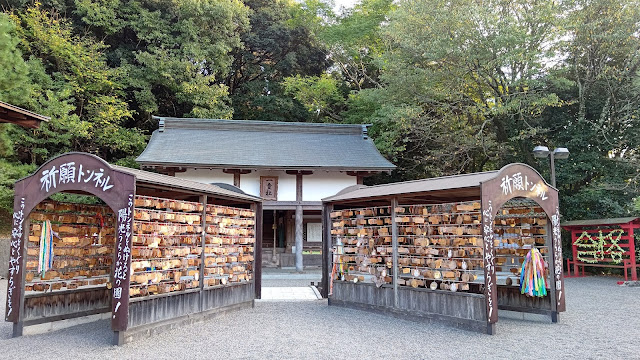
(291, 166)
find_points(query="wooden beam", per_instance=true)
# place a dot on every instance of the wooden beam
(237, 171)
(299, 172)
(32, 124)
(167, 170)
(362, 173)
(257, 256)
(19, 116)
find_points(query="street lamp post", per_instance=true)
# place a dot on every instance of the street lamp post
(558, 153)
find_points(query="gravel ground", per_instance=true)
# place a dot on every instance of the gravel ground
(602, 322)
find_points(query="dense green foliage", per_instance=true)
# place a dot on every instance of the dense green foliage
(449, 87)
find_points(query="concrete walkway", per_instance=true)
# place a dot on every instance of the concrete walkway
(309, 293)
(289, 277)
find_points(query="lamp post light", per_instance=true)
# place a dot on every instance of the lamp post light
(558, 153)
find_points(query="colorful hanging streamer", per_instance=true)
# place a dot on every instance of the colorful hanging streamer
(532, 281)
(45, 260)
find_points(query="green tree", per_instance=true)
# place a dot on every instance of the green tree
(14, 88)
(462, 83)
(70, 82)
(14, 82)
(279, 44)
(599, 81)
(320, 95)
(355, 42)
(175, 54)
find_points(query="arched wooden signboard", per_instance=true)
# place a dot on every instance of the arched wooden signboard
(74, 172)
(513, 181)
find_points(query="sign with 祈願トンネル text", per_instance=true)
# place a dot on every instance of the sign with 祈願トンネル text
(77, 173)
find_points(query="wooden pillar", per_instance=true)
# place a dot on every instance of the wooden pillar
(632, 255)
(326, 250)
(574, 252)
(360, 180)
(394, 244)
(203, 241)
(18, 327)
(550, 245)
(236, 174)
(299, 222)
(257, 255)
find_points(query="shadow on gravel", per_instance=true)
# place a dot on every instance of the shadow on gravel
(93, 334)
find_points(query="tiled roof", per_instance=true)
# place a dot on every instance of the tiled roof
(262, 144)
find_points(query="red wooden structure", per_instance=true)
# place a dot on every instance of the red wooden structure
(603, 243)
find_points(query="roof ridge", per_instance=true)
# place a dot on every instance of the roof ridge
(258, 125)
(434, 178)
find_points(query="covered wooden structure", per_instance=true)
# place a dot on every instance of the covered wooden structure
(133, 197)
(19, 116)
(603, 243)
(291, 165)
(443, 248)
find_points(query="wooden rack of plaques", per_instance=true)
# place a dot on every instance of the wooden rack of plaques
(83, 247)
(439, 246)
(229, 245)
(363, 244)
(165, 252)
(519, 226)
(143, 259)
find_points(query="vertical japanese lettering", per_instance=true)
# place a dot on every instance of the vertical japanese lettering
(489, 260)
(15, 255)
(121, 269)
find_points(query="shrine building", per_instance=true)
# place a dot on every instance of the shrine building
(291, 166)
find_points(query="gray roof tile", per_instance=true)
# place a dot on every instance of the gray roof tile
(414, 186)
(262, 144)
(146, 177)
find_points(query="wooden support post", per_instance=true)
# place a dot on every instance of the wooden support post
(549, 243)
(257, 256)
(632, 253)
(19, 326)
(203, 241)
(394, 244)
(326, 250)
(299, 264)
(299, 222)
(236, 174)
(574, 251)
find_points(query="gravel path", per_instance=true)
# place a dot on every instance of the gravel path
(601, 321)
